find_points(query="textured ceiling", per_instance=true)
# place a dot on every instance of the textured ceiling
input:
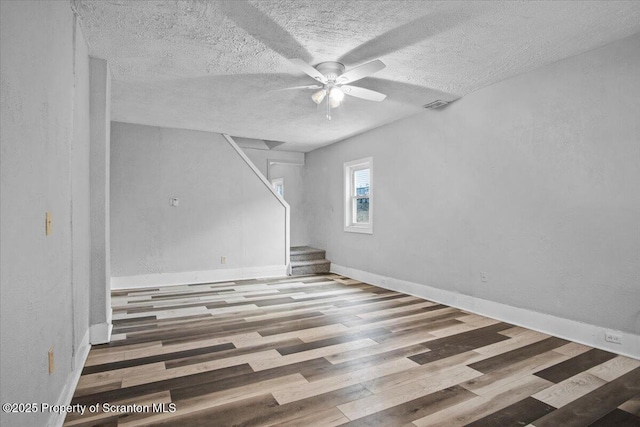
(218, 65)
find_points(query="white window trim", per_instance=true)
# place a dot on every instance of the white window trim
(275, 182)
(349, 223)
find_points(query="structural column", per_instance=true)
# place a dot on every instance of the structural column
(100, 113)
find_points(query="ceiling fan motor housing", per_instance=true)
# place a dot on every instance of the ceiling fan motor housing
(331, 69)
(335, 82)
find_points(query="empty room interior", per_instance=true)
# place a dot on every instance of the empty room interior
(320, 213)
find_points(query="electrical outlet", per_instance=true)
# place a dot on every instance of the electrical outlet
(483, 276)
(613, 337)
(223, 260)
(51, 366)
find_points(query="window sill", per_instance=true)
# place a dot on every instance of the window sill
(358, 229)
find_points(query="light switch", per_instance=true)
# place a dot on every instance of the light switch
(174, 201)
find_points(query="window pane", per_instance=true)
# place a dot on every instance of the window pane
(362, 210)
(358, 196)
(361, 183)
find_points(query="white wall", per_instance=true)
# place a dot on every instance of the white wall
(44, 167)
(288, 165)
(224, 209)
(534, 180)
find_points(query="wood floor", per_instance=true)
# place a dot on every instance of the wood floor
(328, 350)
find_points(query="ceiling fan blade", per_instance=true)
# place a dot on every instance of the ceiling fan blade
(411, 33)
(361, 71)
(263, 28)
(303, 87)
(309, 70)
(360, 92)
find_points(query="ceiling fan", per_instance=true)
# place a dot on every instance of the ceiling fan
(333, 82)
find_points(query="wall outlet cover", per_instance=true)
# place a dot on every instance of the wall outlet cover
(613, 337)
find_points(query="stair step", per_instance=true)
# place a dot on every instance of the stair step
(315, 266)
(306, 253)
(308, 260)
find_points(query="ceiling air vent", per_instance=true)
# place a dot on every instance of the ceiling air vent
(435, 104)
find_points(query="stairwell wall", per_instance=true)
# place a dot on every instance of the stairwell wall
(224, 210)
(288, 165)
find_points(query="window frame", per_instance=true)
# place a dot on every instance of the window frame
(350, 196)
(278, 181)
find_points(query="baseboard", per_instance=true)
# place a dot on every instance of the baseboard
(189, 277)
(101, 333)
(77, 364)
(583, 333)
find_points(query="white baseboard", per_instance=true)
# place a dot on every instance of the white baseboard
(189, 277)
(101, 333)
(77, 364)
(583, 333)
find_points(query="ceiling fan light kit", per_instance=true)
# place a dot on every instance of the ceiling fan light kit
(318, 96)
(336, 96)
(334, 82)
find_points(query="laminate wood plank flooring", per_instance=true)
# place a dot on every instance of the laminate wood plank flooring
(327, 350)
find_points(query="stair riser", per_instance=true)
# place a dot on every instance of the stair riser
(311, 269)
(308, 257)
(309, 260)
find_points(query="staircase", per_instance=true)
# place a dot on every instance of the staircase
(306, 260)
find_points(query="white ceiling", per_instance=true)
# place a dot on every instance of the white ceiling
(217, 65)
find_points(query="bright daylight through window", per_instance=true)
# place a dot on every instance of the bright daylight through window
(358, 206)
(278, 185)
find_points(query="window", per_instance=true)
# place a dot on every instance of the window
(278, 185)
(358, 195)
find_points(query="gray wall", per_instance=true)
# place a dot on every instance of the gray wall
(44, 167)
(80, 191)
(293, 176)
(261, 158)
(99, 165)
(534, 180)
(288, 165)
(224, 209)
